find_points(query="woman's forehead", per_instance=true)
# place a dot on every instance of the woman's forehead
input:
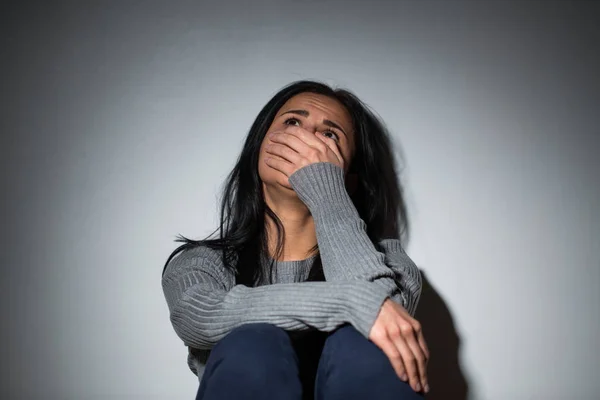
(323, 106)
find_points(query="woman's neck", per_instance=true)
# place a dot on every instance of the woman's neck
(300, 234)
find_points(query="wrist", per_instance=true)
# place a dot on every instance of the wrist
(322, 187)
(364, 305)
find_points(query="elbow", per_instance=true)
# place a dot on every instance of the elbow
(191, 330)
(416, 291)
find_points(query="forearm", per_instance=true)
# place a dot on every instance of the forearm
(391, 269)
(408, 275)
(202, 315)
(347, 252)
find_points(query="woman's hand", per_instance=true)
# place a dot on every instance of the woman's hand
(400, 337)
(298, 148)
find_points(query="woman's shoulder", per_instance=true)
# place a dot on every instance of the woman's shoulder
(196, 256)
(195, 264)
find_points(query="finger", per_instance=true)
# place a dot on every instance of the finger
(424, 347)
(421, 361)
(284, 152)
(408, 358)
(280, 165)
(303, 142)
(422, 343)
(291, 141)
(305, 138)
(333, 146)
(387, 345)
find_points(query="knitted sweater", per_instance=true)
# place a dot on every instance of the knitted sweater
(205, 304)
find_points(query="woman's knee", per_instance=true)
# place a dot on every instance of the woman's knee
(353, 365)
(252, 337)
(251, 353)
(252, 361)
(348, 350)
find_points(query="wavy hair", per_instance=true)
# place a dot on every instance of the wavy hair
(378, 196)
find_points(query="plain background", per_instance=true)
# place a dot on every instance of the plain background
(121, 120)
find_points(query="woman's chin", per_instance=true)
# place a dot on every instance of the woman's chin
(276, 180)
(283, 182)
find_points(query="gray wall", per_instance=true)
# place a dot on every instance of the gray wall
(121, 120)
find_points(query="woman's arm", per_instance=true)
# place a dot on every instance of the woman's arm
(205, 305)
(346, 251)
(406, 274)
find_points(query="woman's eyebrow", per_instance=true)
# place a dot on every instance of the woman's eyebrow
(327, 122)
(304, 113)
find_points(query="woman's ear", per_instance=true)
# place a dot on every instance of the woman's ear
(351, 182)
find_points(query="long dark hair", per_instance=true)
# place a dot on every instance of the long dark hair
(242, 232)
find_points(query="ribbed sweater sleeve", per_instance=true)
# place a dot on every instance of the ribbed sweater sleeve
(205, 304)
(347, 252)
(407, 275)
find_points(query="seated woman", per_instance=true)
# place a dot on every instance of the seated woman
(307, 291)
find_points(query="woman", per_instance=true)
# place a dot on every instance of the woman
(307, 290)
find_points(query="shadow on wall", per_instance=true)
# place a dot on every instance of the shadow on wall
(446, 379)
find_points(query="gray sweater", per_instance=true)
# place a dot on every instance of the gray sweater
(205, 304)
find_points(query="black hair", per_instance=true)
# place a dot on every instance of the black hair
(378, 196)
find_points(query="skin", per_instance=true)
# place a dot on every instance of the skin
(294, 141)
(279, 195)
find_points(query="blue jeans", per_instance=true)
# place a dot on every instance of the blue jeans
(261, 361)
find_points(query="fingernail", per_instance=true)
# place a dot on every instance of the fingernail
(404, 377)
(417, 387)
(427, 388)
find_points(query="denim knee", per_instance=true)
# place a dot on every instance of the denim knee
(248, 339)
(353, 367)
(248, 360)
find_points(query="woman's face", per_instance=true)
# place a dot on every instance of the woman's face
(318, 114)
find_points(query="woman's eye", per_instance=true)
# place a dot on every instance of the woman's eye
(296, 122)
(335, 136)
(292, 121)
